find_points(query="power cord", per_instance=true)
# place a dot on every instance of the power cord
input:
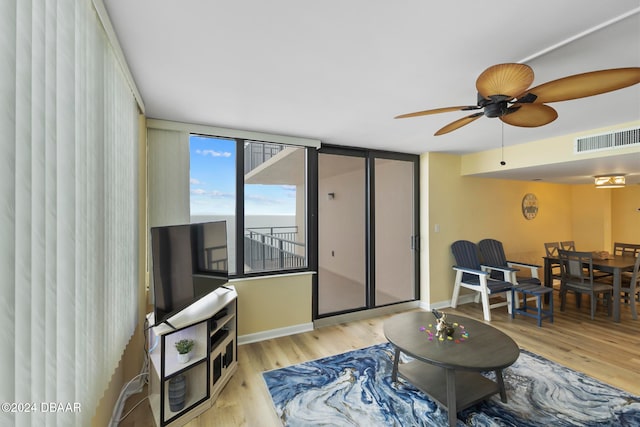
(125, 392)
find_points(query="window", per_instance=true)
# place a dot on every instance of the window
(212, 185)
(259, 188)
(274, 207)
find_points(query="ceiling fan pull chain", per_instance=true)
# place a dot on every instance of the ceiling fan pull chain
(502, 162)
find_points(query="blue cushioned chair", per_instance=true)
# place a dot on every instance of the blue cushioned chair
(494, 258)
(472, 275)
(492, 253)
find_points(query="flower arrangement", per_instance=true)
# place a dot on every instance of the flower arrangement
(444, 330)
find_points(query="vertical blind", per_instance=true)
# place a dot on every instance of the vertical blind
(68, 211)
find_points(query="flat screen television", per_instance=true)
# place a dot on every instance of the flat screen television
(189, 261)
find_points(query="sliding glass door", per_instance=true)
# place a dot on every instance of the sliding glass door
(394, 228)
(367, 230)
(342, 266)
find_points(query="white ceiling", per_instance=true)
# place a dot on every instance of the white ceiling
(339, 71)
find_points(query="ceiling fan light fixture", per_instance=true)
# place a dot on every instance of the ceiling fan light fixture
(609, 181)
(498, 109)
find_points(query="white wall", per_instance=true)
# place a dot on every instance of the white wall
(341, 223)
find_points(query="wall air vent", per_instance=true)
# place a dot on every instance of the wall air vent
(607, 141)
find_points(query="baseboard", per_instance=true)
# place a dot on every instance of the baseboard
(462, 299)
(365, 314)
(275, 333)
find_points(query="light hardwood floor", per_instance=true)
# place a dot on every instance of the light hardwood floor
(600, 348)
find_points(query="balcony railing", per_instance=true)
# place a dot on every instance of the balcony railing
(273, 248)
(256, 153)
(215, 258)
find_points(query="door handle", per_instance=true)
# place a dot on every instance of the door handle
(415, 243)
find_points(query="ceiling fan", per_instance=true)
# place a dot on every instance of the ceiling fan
(502, 92)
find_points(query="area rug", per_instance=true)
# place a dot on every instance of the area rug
(355, 389)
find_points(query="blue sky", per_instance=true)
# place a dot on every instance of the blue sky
(212, 183)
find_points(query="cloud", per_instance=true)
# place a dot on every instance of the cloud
(195, 181)
(214, 194)
(213, 153)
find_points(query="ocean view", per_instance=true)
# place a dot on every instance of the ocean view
(251, 221)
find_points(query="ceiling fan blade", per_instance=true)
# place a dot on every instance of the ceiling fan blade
(437, 111)
(507, 80)
(530, 115)
(458, 123)
(583, 85)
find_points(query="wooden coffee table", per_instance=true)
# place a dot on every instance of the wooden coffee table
(449, 371)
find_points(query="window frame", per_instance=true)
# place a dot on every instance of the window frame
(240, 207)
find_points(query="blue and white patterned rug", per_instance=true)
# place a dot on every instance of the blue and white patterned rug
(355, 389)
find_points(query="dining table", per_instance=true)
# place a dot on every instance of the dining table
(614, 264)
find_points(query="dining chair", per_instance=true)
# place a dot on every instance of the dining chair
(626, 249)
(470, 274)
(577, 276)
(630, 290)
(551, 249)
(493, 255)
(568, 245)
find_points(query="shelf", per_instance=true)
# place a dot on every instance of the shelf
(196, 380)
(217, 338)
(198, 371)
(222, 322)
(471, 387)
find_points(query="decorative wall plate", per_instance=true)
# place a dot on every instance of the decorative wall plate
(529, 206)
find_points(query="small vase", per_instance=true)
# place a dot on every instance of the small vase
(184, 357)
(177, 392)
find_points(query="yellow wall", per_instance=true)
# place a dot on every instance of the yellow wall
(273, 302)
(472, 209)
(626, 214)
(591, 217)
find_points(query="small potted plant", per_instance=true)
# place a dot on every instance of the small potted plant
(184, 348)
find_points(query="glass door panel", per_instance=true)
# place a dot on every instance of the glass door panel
(395, 257)
(342, 284)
